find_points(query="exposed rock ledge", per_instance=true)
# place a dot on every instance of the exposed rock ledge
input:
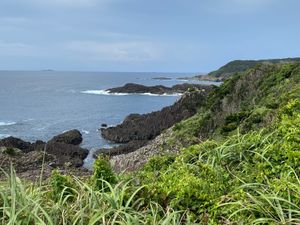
(62, 152)
(134, 160)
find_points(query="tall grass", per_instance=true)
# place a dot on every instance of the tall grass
(27, 204)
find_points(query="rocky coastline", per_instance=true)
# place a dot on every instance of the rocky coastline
(137, 130)
(135, 133)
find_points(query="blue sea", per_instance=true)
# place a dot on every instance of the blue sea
(40, 104)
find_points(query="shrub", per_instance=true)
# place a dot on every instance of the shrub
(10, 151)
(102, 172)
(62, 186)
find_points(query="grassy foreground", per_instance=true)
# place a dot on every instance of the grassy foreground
(244, 170)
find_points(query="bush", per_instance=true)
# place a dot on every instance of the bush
(62, 186)
(10, 151)
(102, 172)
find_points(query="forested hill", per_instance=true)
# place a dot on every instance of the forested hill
(243, 65)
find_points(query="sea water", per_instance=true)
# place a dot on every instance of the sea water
(40, 104)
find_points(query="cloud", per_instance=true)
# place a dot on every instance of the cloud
(16, 49)
(117, 51)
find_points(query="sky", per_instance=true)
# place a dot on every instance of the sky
(145, 35)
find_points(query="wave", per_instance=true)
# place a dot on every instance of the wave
(104, 92)
(7, 123)
(85, 131)
(165, 94)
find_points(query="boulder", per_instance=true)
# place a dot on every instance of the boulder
(72, 137)
(15, 143)
(67, 153)
(37, 146)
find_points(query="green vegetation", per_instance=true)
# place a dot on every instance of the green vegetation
(243, 65)
(9, 151)
(102, 172)
(239, 164)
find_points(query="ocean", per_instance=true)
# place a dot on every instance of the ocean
(37, 105)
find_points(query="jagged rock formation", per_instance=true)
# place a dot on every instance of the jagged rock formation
(158, 89)
(148, 126)
(61, 151)
(136, 130)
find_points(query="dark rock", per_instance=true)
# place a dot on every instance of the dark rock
(72, 137)
(138, 88)
(103, 125)
(67, 153)
(37, 146)
(121, 149)
(15, 143)
(158, 89)
(148, 126)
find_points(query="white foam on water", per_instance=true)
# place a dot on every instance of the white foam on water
(7, 123)
(104, 92)
(85, 131)
(165, 94)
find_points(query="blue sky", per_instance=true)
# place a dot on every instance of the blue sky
(145, 35)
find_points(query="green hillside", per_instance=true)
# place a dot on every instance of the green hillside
(239, 163)
(243, 65)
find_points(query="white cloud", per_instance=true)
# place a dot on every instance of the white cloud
(16, 49)
(118, 51)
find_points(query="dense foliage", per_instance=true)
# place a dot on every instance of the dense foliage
(239, 164)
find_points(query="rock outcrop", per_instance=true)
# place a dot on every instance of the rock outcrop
(62, 151)
(13, 142)
(66, 153)
(71, 137)
(158, 89)
(137, 130)
(148, 126)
